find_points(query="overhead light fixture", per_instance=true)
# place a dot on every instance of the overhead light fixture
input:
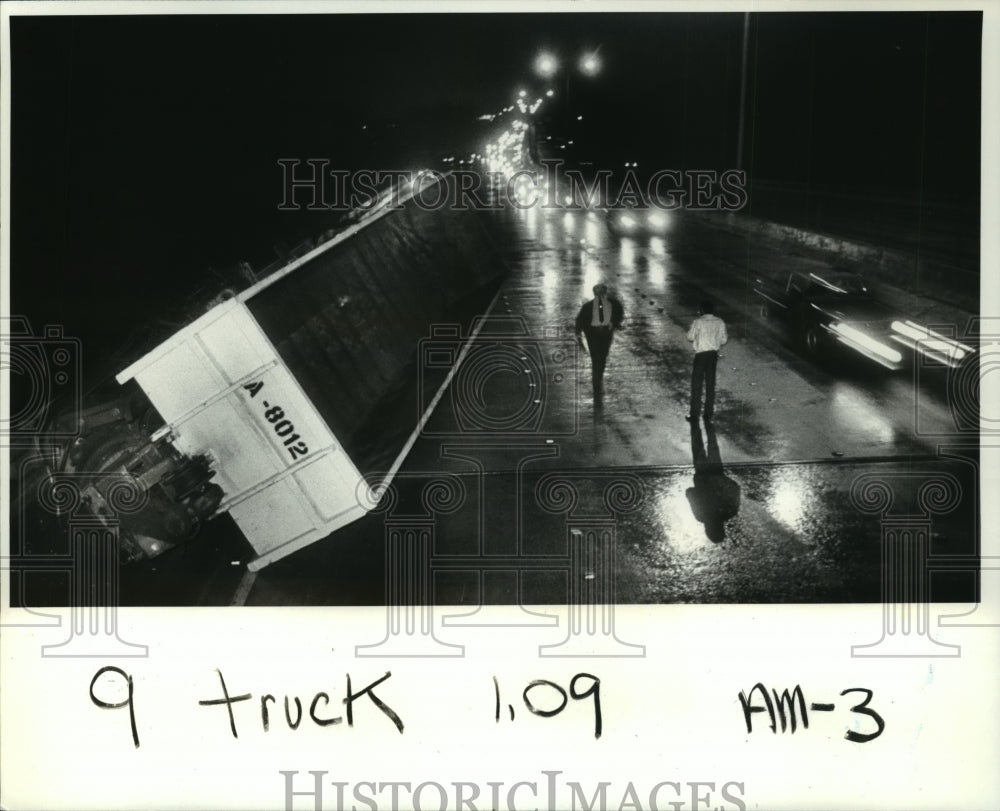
(590, 64)
(546, 64)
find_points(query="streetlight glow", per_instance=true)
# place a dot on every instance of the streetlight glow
(546, 64)
(590, 64)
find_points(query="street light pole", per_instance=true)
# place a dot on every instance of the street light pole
(743, 90)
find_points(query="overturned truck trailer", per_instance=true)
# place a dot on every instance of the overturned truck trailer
(276, 385)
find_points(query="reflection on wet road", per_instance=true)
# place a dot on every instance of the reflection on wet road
(773, 404)
(761, 506)
(756, 507)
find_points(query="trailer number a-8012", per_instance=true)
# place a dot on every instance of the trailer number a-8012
(275, 415)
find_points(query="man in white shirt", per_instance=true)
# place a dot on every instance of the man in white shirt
(708, 334)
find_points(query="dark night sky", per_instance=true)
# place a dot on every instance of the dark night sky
(145, 149)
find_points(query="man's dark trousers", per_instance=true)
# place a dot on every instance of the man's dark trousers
(703, 373)
(599, 345)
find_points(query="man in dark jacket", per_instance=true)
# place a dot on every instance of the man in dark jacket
(598, 319)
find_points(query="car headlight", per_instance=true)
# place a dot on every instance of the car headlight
(627, 222)
(867, 342)
(658, 220)
(930, 343)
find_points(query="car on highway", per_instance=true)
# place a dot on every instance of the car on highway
(637, 221)
(832, 309)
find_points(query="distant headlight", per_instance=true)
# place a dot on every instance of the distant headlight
(627, 222)
(658, 220)
(526, 192)
(867, 342)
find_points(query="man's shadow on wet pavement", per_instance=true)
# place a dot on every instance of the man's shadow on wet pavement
(715, 498)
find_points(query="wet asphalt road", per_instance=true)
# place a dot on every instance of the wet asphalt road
(525, 492)
(773, 405)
